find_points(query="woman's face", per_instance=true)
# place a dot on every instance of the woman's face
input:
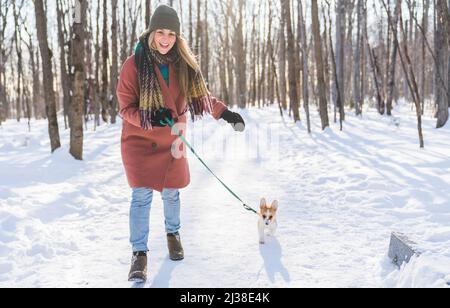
(164, 40)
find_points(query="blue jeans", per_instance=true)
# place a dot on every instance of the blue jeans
(140, 215)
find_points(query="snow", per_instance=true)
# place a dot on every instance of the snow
(64, 223)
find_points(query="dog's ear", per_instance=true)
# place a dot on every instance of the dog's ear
(263, 203)
(275, 205)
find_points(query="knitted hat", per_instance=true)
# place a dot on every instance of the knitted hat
(165, 17)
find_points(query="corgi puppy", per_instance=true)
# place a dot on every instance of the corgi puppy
(267, 220)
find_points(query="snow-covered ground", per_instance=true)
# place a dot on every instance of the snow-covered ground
(64, 223)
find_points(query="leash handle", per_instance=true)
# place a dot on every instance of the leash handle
(172, 126)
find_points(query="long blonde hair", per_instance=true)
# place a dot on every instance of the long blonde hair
(187, 60)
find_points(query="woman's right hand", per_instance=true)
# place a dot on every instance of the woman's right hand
(160, 116)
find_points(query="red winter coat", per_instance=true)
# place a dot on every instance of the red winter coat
(147, 155)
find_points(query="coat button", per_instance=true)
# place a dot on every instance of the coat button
(154, 146)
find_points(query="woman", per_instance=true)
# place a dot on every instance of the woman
(161, 81)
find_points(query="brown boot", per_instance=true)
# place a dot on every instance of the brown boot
(138, 270)
(176, 252)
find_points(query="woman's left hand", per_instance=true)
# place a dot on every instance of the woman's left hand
(235, 119)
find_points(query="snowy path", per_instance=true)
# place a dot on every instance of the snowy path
(65, 223)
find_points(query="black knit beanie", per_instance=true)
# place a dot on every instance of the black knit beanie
(165, 17)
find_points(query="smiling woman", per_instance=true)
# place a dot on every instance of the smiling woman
(161, 82)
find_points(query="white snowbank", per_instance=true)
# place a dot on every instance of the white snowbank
(64, 223)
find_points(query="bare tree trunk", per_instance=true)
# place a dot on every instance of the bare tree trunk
(198, 31)
(326, 60)
(4, 8)
(134, 11)
(35, 75)
(191, 24)
(239, 49)
(148, 12)
(105, 54)
(76, 111)
(376, 77)
(339, 56)
(46, 54)
(364, 51)
(262, 90)
(293, 98)
(357, 95)
(441, 47)
(253, 60)
(114, 62)
(282, 61)
(408, 71)
(90, 80)
(393, 59)
(304, 49)
(270, 56)
(18, 44)
(411, 79)
(96, 104)
(205, 44)
(65, 82)
(230, 60)
(425, 31)
(348, 53)
(323, 108)
(124, 48)
(298, 52)
(337, 79)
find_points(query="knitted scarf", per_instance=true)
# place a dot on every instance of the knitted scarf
(151, 98)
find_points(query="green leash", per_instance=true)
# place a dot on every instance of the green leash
(172, 126)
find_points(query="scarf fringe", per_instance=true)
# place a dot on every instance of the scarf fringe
(200, 106)
(146, 119)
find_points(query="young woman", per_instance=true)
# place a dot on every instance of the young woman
(161, 80)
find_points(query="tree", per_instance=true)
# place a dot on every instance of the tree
(198, 30)
(407, 70)
(105, 55)
(148, 12)
(338, 94)
(18, 44)
(114, 62)
(293, 97)
(62, 38)
(441, 49)
(337, 79)
(358, 65)
(205, 53)
(124, 46)
(4, 106)
(77, 104)
(323, 106)
(239, 56)
(304, 50)
(46, 54)
(426, 8)
(393, 59)
(282, 61)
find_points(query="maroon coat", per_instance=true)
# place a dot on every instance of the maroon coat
(147, 155)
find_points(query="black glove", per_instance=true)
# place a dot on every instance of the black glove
(159, 117)
(234, 119)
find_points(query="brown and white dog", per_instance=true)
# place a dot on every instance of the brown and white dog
(267, 220)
